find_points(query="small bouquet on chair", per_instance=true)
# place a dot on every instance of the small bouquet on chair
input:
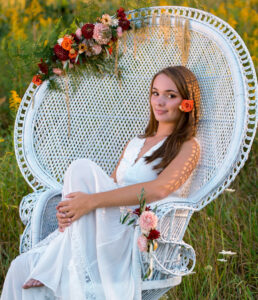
(148, 222)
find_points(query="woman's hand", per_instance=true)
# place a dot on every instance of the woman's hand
(77, 205)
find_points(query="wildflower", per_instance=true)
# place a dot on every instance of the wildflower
(14, 100)
(227, 252)
(208, 268)
(230, 190)
(222, 259)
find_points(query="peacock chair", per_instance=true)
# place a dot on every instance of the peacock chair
(106, 112)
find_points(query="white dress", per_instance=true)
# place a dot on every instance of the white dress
(92, 258)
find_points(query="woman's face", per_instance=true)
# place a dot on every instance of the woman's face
(165, 99)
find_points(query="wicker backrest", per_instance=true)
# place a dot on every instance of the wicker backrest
(106, 113)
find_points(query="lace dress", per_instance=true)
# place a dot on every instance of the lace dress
(92, 258)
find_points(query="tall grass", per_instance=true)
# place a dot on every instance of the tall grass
(227, 223)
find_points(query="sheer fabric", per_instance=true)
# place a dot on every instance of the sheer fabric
(92, 258)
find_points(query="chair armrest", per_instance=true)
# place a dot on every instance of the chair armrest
(27, 205)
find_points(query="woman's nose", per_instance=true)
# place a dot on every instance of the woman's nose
(160, 100)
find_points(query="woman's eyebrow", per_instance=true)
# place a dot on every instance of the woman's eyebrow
(166, 90)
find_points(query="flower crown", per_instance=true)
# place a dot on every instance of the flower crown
(84, 45)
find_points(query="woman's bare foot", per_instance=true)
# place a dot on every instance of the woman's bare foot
(32, 283)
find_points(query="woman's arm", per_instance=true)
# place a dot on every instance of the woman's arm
(169, 180)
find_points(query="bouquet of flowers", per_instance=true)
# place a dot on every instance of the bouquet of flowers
(83, 44)
(147, 221)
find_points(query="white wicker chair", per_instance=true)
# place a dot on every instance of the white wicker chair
(104, 115)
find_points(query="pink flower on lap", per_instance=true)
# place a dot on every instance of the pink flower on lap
(142, 243)
(148, 220)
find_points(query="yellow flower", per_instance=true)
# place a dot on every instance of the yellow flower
(222, 10)
(232, 22)
(163, 3)
(45, 22)
(14, 101)
(82, 48)
(244, 14)
(1, 140)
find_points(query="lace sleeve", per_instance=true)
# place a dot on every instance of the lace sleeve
(180, 168)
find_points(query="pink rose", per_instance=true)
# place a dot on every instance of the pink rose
(78, 33)
(148, 220)
(119, 31)
(142, 243)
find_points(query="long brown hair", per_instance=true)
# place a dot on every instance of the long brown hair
(185, 129)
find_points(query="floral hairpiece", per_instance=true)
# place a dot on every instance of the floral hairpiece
(148, 222)
(186, 105)
(84, 45)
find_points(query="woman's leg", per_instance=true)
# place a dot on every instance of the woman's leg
(18, 272)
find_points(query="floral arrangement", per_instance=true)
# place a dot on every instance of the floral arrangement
(84, 44)
(147, 221)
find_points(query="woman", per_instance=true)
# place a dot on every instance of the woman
(90, 255)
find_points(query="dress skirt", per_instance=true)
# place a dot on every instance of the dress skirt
(91, 259)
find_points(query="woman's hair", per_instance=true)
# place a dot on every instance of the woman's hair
(186, 126)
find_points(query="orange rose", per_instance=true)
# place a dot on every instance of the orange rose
(186, 105)
(72, 53)
(66, 43)
(37, 79)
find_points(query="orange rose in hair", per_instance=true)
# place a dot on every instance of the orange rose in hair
(37, 79)
(186, 105)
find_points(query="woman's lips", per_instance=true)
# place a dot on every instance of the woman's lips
(160, 112)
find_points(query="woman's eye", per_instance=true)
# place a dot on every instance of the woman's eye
(154, 93)
(172, 96)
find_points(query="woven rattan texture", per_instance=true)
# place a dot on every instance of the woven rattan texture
(49, 220)
(105, 114)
